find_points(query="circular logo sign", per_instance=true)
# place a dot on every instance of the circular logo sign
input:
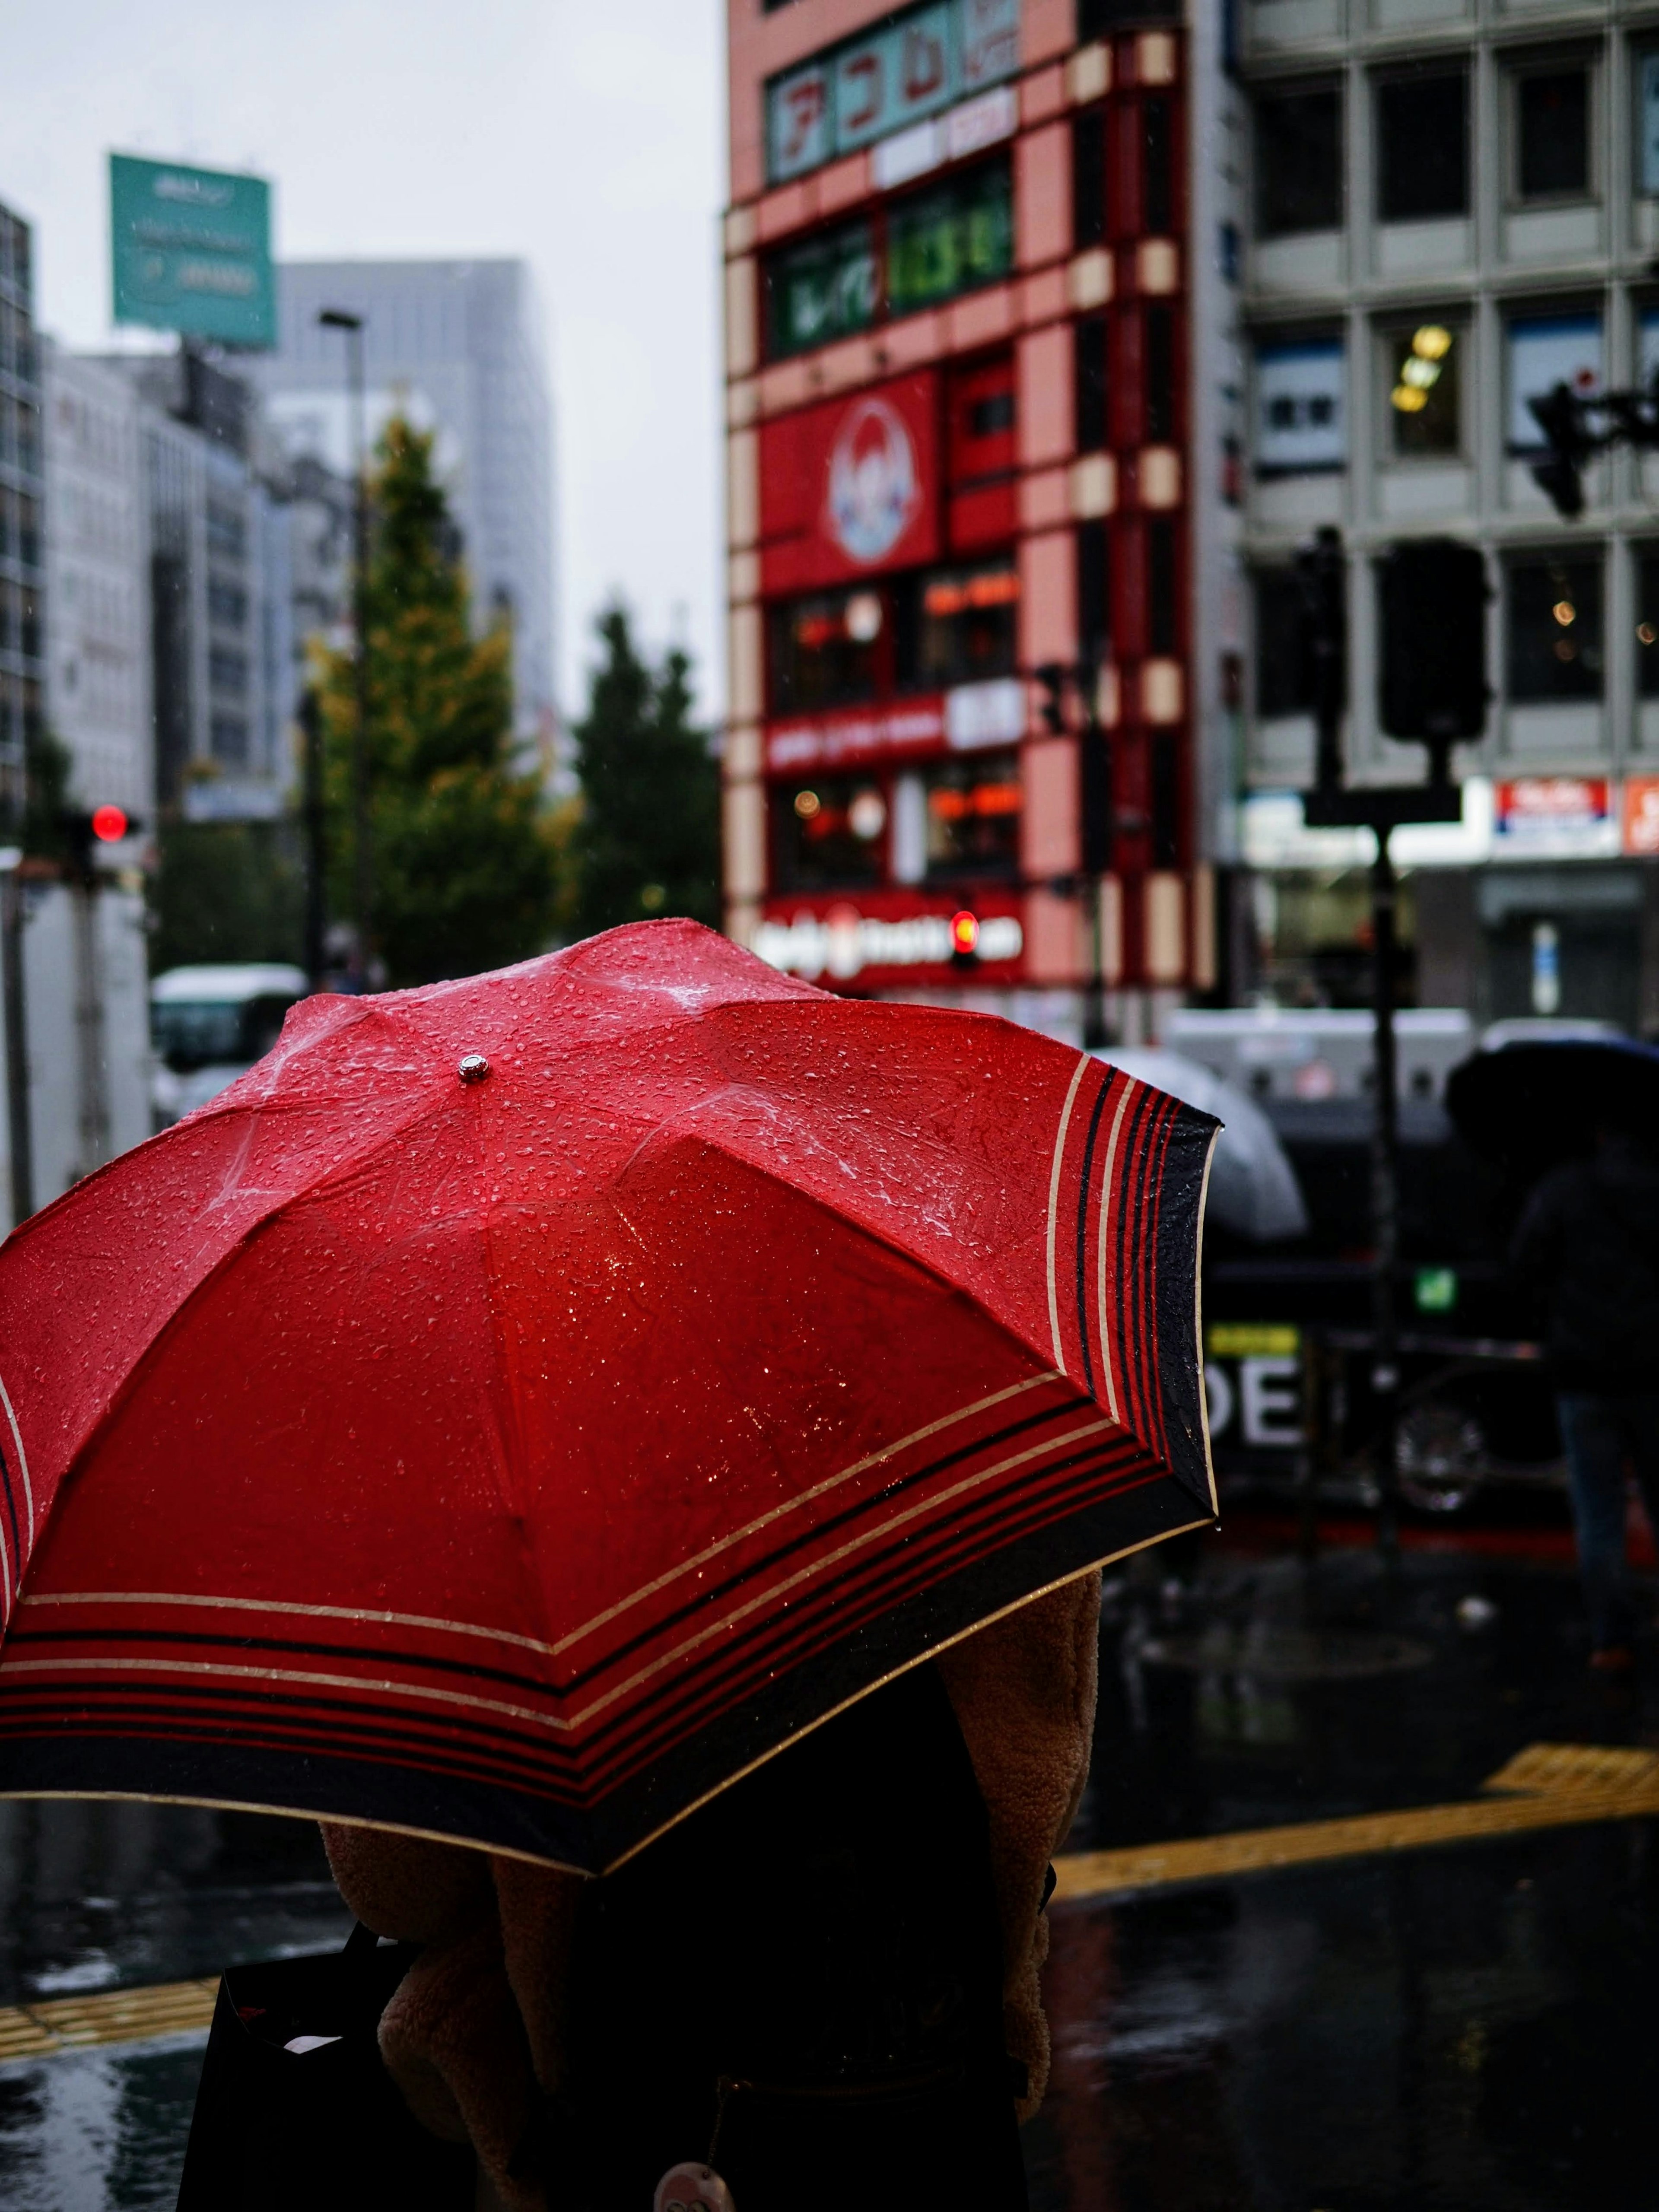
(873, 490)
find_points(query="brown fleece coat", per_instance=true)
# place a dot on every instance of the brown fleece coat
(479, 2024)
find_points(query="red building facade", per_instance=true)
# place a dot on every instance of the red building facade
(956, 357)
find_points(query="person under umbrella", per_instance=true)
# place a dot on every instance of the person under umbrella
(1572, 1120)
(1588, 1240)
(646, 1430)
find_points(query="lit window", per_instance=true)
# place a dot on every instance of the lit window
(828, 833)
(1423, 397)
(827, 651)
(1555, 630)
(973, 816)
(960, 625)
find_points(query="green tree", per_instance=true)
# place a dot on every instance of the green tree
(648, 841)
(461, 846)
(225, 890)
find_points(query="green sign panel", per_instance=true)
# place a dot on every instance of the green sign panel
(192, 251)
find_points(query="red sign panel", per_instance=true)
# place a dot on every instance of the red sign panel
(888, 936)
(851, 489)
(1642, 814)
(903, 729)
(1558, 814)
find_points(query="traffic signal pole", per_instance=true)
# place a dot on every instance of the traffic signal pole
(1433, 693)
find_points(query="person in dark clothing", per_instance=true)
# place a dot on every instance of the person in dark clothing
(1589, 1239)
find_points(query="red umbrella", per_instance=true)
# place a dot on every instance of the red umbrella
(517, 1407)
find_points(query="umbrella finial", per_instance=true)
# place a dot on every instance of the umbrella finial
(473, 1068)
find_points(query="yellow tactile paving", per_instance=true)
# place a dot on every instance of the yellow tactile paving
(36, 2031)
(1547, 1785)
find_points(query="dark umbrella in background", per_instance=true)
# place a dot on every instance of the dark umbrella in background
(1532, 1102)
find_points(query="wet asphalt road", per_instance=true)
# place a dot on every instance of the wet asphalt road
(1468, 2027)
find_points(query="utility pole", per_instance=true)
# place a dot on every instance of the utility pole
(311, 726)
(1433, 692)
(362, 879)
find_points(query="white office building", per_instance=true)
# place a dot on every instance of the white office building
(457, 347)
(1435, 210)
(98, 687)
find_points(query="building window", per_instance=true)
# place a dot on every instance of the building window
(957, 625)
(973, 816)
(1301, 422)
(1089, 177)
(831, 650)
(1163, 609)
(1094, 617)
(228, 672)
(1647, 624)
(1424, 370)
(227, 603)
(1157, 166)
(1647, 123)
(227, 530)
(1552, 134)
(1423, 155)
(1546, 350)
(951, 240)
(1555, 630)
(1089, 385)
(1160, 376)
(821, 291)
(828, 833)
(229, 740)
(930, 248)
(1298, 161)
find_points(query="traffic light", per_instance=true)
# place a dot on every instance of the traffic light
(964, 938)
(1560, 476)
(83, 830)
(1433, 671)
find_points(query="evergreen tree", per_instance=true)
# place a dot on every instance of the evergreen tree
(647, 842)
(225, 890)
(461, 849)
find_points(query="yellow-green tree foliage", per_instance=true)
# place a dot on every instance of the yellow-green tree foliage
(462, 849)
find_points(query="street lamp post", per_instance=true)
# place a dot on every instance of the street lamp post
(340, 319)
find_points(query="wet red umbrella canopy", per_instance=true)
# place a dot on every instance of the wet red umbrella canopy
(517, 1405)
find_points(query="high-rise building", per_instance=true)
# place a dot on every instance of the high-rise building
(98, 672)
(217, 580)
(961, 492)
(456, 346)
(22, 628)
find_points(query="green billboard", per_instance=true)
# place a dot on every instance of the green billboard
(191, 251)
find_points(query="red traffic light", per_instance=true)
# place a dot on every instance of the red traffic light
(109, 825)
(965, 932)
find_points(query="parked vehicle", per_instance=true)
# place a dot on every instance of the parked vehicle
(1288, 1321)
(208, 1025)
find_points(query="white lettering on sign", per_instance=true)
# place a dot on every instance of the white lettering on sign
(919, 726)
(844, 942)
(1218, 1397)
(1270, 1395)
(889, 79)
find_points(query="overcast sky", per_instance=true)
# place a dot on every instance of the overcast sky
(588, 140)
